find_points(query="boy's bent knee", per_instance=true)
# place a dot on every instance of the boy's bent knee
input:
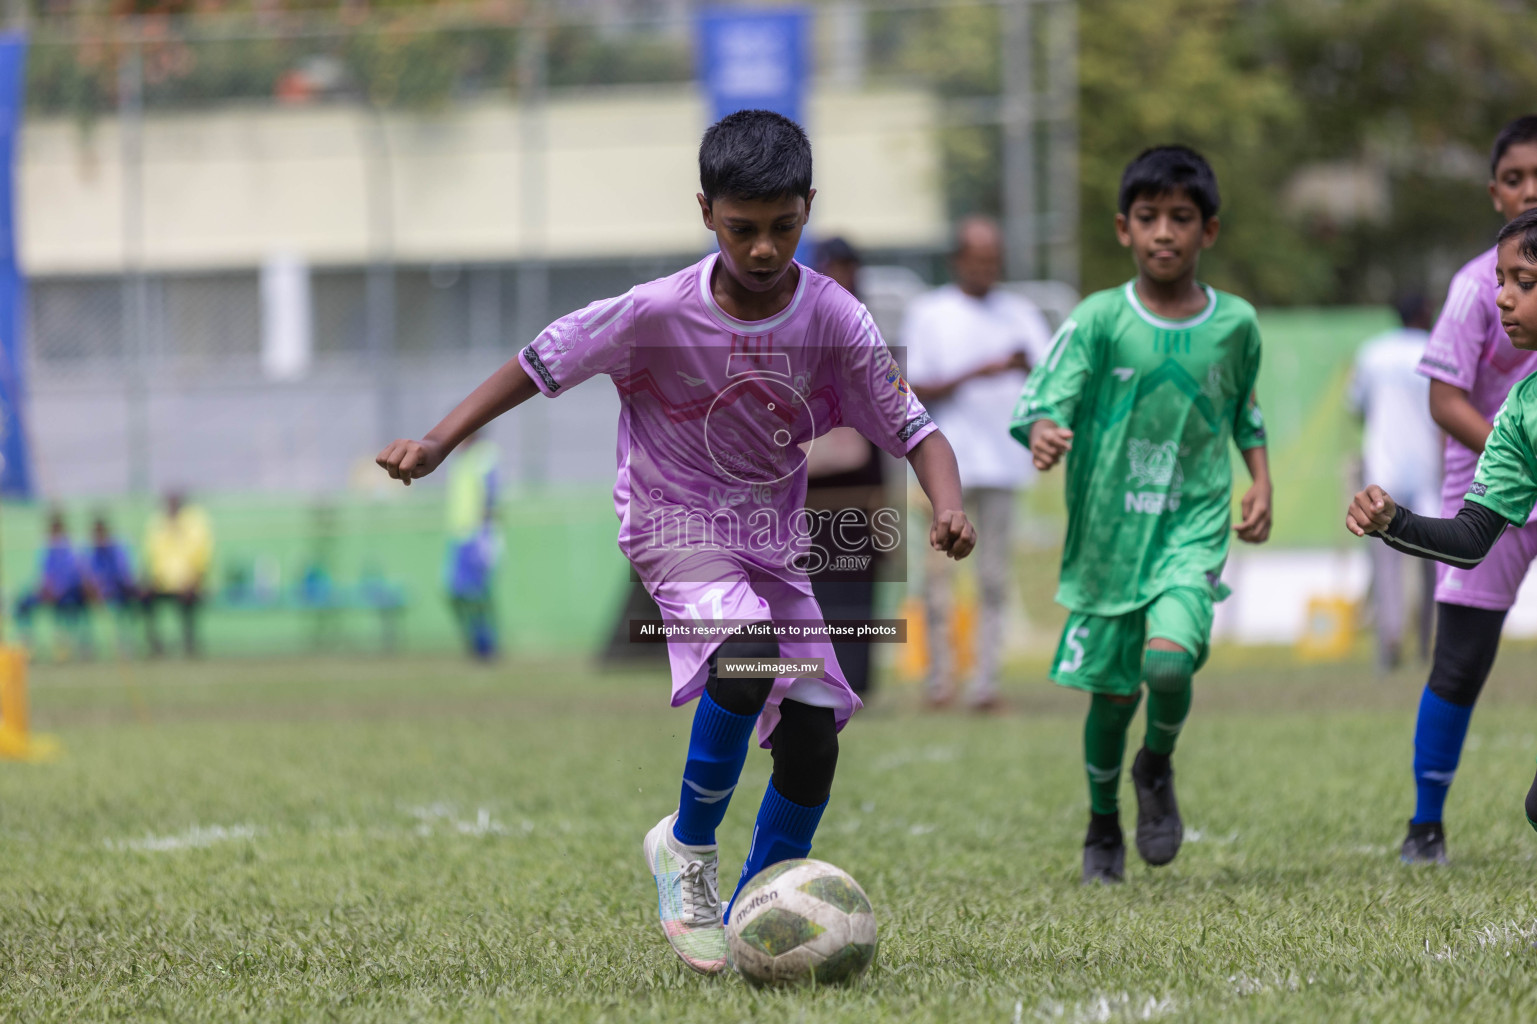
(805, 750)
(1168, 671)
(741, 695)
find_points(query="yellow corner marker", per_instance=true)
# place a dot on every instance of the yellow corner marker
(16, 740)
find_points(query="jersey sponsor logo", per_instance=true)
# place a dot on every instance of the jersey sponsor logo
(1151, 503)
(1153, 464)
(1479, 489)
(1124, 373)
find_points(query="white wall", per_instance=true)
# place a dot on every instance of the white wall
(228, 187)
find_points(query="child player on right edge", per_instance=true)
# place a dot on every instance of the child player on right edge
(1472, 366)
(1503, 490)
(1145, 385)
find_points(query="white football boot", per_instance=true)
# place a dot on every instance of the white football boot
(688, 897)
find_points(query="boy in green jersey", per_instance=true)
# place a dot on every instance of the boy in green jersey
(1145, 385)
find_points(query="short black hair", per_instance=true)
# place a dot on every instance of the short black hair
(1524, 227)
(754, 154)
(1163, 169)
(1522, 129)
(1412, 307)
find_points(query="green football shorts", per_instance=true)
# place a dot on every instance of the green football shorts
(1103, 653)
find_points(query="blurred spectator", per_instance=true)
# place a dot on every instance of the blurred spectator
(62, 586)
(838, 259)
(111, 574)
(844, 472)
(110, 566)
(474, 545)
(969, 348)
(1401, 451)
(178, 548)
(471, 574)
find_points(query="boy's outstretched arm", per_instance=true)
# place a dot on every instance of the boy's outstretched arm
(505, 389)
(1254, 527)
(1462, 541)
(933, 460)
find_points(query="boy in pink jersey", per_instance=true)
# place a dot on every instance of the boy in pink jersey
(1472, 366)
(724, 370)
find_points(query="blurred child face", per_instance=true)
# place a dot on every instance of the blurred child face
(1517, 298)
(1166, 235)
(757, 237)
(1514, 188)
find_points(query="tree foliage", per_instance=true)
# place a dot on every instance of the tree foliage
(1411, 92)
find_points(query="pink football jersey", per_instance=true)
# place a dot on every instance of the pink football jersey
(1469, 349)
(712, 474)
(714, 410)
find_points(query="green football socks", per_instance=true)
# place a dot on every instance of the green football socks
(1104, 744)
(1168, 675)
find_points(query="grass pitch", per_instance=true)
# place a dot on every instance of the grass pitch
(398, 840)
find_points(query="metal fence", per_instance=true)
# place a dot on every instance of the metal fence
(147, 371)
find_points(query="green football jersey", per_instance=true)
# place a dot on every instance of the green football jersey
(1152, 404)
(1506, 478)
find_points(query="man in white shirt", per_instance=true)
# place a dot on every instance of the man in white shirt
(1402, 444)
(969, 349)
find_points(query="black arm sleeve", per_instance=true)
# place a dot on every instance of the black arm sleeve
(1463, 541)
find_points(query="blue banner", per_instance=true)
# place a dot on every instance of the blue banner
(754, 59)
(16, 470)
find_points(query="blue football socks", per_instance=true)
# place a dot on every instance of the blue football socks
(1438, 740)
(783, 832)
(717, 747)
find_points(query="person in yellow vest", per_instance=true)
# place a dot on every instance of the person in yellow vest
(178, 548)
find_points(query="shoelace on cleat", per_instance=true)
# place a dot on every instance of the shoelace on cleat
(701, 892)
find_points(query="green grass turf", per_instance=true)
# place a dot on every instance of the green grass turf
(377, 840)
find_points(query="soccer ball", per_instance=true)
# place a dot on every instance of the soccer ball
(801, 920)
